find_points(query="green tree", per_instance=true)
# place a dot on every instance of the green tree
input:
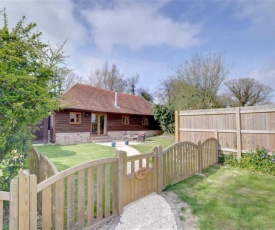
(28, 88)
(145, 93)
(165, 116)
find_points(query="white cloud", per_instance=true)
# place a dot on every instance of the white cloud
(54, 18)
(265, 75)
(261, 14)
(137, 24)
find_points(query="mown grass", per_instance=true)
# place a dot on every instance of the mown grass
(66, 156)
(230, 198)
(164, 141)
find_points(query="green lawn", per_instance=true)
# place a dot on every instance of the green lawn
(164, 141)
(66, 156)
(230, 198)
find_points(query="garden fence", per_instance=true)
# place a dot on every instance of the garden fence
(239, 129)
(90, 194)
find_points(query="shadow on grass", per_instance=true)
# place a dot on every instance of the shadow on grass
(196, 179)
(55, 151)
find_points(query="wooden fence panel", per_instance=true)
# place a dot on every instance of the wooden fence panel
(238, 129)
(184, 159)
(180, 161)
(86, 184)
(209, 152)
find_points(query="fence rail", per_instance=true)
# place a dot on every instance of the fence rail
(90, 194)
(237, 129)
(184, 159)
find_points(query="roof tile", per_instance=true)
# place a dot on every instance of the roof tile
(87, 97)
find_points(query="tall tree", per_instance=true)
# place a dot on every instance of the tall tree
(27, 91)
(206, 74)
(132, 84)
(248, 91)
(145, 93)
(195, 83)
(109, 79)
(69, 78)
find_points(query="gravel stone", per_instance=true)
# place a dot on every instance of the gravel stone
(151, 212)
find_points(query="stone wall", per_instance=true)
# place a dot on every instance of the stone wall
(72, 138)
(84, 137)
(119, 135)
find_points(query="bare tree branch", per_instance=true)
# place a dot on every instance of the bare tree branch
(248, 91)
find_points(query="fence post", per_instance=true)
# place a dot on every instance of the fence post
(122, 167)
(158, 151)
(200, 156)
(23, 206)
(239, 135)
(217, 150)
(216, 134)
(14, 204)
(177, 127)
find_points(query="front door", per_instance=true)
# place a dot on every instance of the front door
(99, 124)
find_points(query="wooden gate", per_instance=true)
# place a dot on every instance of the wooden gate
(139, 176)
(184, 159)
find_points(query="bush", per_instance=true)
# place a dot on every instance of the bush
(9, 167)
(165, 116)
(258, 160)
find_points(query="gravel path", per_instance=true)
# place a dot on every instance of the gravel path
(151, 212)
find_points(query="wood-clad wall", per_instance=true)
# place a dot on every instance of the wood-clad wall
(114, 123)
(62, 123)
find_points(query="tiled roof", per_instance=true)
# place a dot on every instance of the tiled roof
(90, 98)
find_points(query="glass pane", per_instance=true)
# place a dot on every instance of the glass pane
(93, 117)
(71, 117)
(102, 124)
(94, 123)
(77, 118)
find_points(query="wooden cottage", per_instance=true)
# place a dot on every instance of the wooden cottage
(92, 114)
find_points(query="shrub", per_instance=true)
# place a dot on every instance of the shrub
(9, 167)
(258, 160)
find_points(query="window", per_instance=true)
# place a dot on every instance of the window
(145, 121)
(125, 120)
(75, 118)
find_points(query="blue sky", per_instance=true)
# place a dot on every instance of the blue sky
(152, 37)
